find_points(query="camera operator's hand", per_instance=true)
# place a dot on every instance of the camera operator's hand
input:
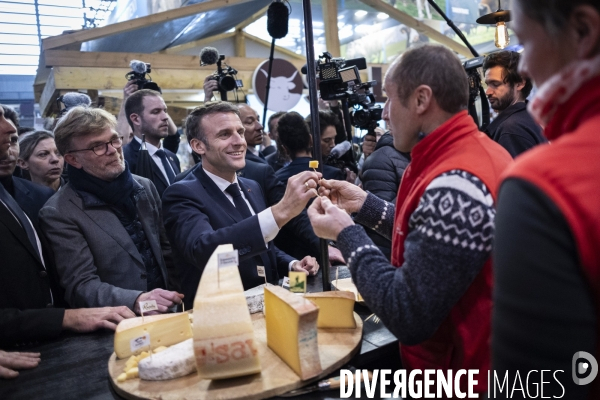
(210, 86)
(368, 145)
(129, 89)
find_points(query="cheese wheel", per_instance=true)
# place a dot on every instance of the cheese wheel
(336, 309)
(174, 362)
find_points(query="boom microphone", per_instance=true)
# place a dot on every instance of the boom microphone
(138, 66)
(74, 99)
(340, 149)
(277, 20)
(209, 56)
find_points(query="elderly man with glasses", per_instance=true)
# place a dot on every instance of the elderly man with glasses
(105, 226)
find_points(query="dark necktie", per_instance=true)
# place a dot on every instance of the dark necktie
(238, 200)
(168, 169)
(16, 210)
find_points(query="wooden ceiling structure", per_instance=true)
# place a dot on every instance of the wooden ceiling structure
(64, 68)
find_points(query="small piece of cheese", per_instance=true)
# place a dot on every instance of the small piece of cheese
(164, 330)
(122, 377)
(292, 330)
(224, 342)
(313, 164)
(255, 297)
(336, 309)
(132, 373)
(174, 362)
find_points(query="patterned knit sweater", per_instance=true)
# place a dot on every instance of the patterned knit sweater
(449, 240)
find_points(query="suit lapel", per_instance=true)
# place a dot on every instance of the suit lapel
(215, 193)
(252, 197)
(146, 215)
(158, 174)
(170, 156)
(13, 225)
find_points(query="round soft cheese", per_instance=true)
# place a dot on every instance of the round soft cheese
(174, 362)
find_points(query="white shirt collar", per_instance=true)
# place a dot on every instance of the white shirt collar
(221, 183)
(151, 148)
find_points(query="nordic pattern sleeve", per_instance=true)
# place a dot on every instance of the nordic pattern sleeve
(449, 240)
(377, 214)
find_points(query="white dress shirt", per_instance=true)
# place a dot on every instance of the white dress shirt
(152, 149)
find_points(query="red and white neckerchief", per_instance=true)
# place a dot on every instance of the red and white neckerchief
(560, 87)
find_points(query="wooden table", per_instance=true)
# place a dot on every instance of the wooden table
(75, 366)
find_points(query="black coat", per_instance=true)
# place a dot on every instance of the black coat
(31, 197)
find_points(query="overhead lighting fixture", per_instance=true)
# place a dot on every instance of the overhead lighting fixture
(382, 16)
(360, 13)
(498, 18)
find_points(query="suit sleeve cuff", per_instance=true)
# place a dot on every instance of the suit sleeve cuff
(268, 226)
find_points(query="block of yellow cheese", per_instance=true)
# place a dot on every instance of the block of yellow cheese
(224, 344)
(292, 330)
(164, 330)
(313, 164)
(336, 309)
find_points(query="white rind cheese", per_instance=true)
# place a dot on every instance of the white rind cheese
(255, 298)
(174, 362)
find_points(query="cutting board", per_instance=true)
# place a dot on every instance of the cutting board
(336, 347)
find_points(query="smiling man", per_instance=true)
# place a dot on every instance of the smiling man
(507, 91)
(105, 225)
(214, 206)
(147, 115)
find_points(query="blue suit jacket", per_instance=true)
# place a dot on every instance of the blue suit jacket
(31, 197)
(131, 152)
(199, 217)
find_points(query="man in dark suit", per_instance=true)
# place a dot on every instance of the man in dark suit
(214, 206)
(253, 133)
(147, 115)
(27, 311)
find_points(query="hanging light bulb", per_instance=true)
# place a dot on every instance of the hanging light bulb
(501, 39)
(498, 18)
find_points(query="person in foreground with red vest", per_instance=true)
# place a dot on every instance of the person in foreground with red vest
(435, 296)
(547, 244)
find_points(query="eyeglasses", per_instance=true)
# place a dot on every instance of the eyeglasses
(101, 149)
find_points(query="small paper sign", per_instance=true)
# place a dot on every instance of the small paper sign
(228, 259)
(297, 282)
(286, 283)
(139, 342)
(147, 306)
(261, 271)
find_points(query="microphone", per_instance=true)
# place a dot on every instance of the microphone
(74, 99)
(340, 149)
(277, 20)
(138, 66)
(209, 56)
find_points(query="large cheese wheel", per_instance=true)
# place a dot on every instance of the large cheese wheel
(292, 330)
(174, 362)
(224, 343)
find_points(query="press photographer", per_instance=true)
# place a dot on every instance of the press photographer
(223, 80)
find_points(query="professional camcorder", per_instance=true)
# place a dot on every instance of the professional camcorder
(225, 75)
(476, 91)
(139, 70)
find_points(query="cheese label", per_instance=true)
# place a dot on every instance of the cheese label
(140, 342)
(147, 306)
(286, 283)
(297, 282)
(261, 271)
(227, 259)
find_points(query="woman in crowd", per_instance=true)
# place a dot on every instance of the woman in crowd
(41, 158)
(547, 240)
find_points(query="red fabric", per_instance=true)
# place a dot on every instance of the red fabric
(568, 171)
(463, 339)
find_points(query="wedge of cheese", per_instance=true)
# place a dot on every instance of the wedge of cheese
(292, 330)
(336, 309)
(178, 360)
(164, 330)
(255, 298)
(224, 343)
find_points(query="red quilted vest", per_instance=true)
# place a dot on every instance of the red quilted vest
(568, 172)
(463, 340)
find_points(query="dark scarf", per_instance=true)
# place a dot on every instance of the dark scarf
(117, 193)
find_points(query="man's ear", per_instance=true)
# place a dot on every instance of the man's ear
(71, 159)
(198, 146)
(135, 119)
(585, 21)
(22, 164)
(421, 98)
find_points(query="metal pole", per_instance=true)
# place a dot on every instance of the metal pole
(264, 119)
(314, 122)
(454, 27)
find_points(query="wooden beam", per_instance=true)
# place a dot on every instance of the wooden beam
(49, 95)
(85, 35)
(252, 19)
(332, 39)
(196, 43)
(419, 26)
(240, 43)
(282, 50)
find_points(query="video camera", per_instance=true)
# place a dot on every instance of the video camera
(476, 91)
(225, 75)
(138, 72)
(339, 79)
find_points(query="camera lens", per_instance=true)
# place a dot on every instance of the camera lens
(227, 83)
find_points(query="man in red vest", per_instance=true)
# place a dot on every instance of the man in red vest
(436, 294)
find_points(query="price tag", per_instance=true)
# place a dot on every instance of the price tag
(261, 271)
(139, 342)
(228, 259)
(147, 306)
(286, 283)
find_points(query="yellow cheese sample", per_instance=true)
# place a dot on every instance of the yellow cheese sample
(292, 330)
(313, 164)
(164, 330)
(224, 343)
(336, 309)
